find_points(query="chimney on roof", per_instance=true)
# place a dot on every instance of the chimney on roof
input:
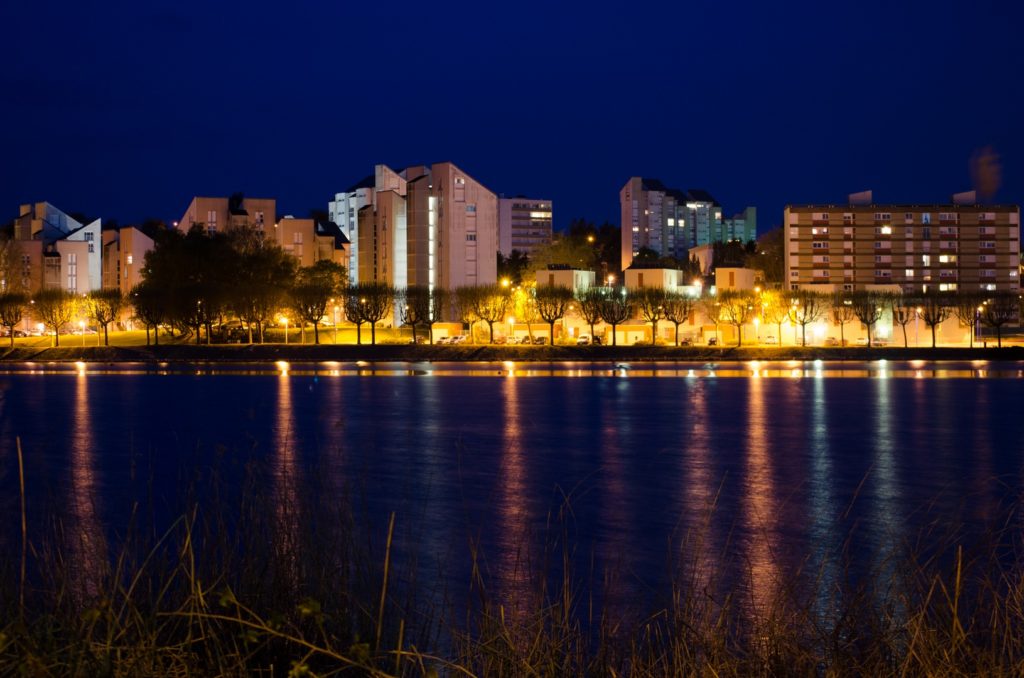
(965, 198)
(861, 198)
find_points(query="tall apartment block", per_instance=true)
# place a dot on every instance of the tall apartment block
(919, 248)
(524, 224)
(57, 251)
(223, 214)
(671, 221)
(422, 225)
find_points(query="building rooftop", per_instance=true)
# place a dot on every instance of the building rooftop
(948, 206)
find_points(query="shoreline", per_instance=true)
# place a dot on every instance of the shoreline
(257, 353)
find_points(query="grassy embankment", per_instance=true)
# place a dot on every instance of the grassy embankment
(259, 588)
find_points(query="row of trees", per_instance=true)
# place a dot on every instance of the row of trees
(56, 308)
(802, 308)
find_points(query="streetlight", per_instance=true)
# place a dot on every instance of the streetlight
(757, 337)
(81, 326)
(284, 319)
(505, 282)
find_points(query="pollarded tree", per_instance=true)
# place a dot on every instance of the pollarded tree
(774, 309)
(738, 310)
(711, 307)
(616, 308)
(967, 309)
(867, 306)
(414, 303)
(465, 305)
(376, 302)
(678, 310)
(903, 309)
(55, 308)
(104, 307)
(438, 306)
(804, 308)
(552, 305)
(1000, 310)
(842, 312)
(490, 304)
(12, 310)
(651, 303)
(353, 311)
(589, 301)
(934, 311)
(313, 290)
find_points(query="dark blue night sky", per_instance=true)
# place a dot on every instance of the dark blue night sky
(126, 109)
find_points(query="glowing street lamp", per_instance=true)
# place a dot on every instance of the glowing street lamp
(284, 319)
(505, 282)
(81, 327)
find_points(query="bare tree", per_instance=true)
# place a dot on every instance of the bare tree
(552, 305)
(842, 312)
(804, 308)
(616, 308)
(376, 301)
(867, 306)
(775, 310)
(712, 309)
(105, 307)
(55, 308)
(651, 303)
(1000, 310)
(12, 310)
(967, 309)
(903, 309)
(934, 311)
(490, 304)
(738, 310)
(678, 310)
(465, 299)
(590, 301)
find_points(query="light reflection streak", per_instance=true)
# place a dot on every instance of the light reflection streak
(699, 494)
(285, 481)
(824, 537)
(87, 543)
(760, 504)
(513, 514)
(787, 369)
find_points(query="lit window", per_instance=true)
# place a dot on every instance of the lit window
(129, 259)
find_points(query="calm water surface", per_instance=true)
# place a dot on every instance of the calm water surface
(770, 463)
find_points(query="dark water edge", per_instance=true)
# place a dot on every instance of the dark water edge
(409, 353)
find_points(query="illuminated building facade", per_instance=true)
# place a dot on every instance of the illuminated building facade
(524, 224)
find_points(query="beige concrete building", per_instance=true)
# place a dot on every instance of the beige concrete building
(57, 251)
(573, 279)
(223, 214)
(668, 279)
(124, 253)
(918, 248)
(310, 241)
(733, 279)
(524, 224)
(422, 225)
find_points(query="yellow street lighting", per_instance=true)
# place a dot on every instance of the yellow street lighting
(505, 282)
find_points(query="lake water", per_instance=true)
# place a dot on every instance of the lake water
(771, 464)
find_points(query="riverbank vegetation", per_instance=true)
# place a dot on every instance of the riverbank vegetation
(293, 584)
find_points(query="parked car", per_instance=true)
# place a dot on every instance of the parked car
(686, 341)
(771, 340)
(500, 339)
(459, 339)
(831, 341)
(712, 341)
(583, 340)
(540, 340)
(862, 341)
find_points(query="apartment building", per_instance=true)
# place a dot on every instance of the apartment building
(310, 241)
(524, 224)
(57, 251)
(422, 225)
(124, 253)
(223, 214)
(917, 248)
(672, 221)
